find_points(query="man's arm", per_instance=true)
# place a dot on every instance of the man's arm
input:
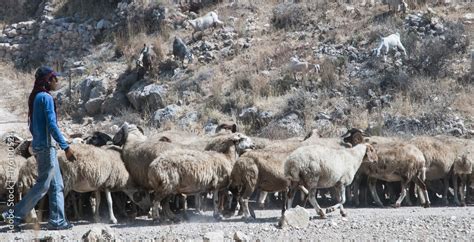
(52, 125)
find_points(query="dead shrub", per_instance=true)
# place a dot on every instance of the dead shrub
(290, 16)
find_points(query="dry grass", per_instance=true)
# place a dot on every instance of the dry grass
(17, 86)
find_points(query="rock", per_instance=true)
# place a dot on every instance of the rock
(297, 217)
(114, 103)
(290, 125)
(143, 96)
(239, 236)
(165, 114)
(92, 88)
(469, 16)
(188, 120)
(93, 106)
(214, 236)
(98, 233)
(248, 114)
(103, 24)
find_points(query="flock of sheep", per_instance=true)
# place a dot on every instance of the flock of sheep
(158, 172)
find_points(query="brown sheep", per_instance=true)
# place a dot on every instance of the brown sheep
(185, 171)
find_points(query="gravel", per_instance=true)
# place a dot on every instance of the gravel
(406, 223)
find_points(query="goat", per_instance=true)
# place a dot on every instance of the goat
(393, 41)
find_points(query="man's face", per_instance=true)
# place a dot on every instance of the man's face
(54, 83)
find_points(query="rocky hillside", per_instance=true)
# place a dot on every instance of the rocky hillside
(240, 70)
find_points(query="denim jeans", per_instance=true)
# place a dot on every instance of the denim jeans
(49, 181)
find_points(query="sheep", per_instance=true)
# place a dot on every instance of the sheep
(439, 158)
(100, 169)
(391, 41)
(462, 165)
(204, 22)
(184, 171)
(297, 66)
(262, 169)
(17, 173)
(181, 51)
(145, 61)
(98, 139)
(317, 166)
(398, 162)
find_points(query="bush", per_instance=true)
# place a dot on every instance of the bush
(434, 53)
(290, 16)
(397, 81)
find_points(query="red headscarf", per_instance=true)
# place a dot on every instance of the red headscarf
(40, 86)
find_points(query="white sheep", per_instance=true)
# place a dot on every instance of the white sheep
(204, 22)
(17, 174)
(297, 66)
(100, 169)
(317, 166)
(391, 41)
(185, 171)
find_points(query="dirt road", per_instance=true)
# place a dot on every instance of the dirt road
(453, 223)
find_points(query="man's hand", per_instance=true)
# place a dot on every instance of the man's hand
(70, 154)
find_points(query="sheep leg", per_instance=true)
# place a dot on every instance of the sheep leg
(197, 201)
(215, 199)
(371, 182)
(261, 199)
(356, 189)
(462, 190)
(314, 202)
(423, 191)
(445, 190)
(155, 212)
(95, 203)
(340, 192)
(455, 187)
(108, 196)
(403, 193)
(400, 46)
(291, 197)
(167, 209)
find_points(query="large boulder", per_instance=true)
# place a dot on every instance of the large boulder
(289, 125)
(93, 106)
(144, 96)
(92, 87)
(163, 115)
(114, 103)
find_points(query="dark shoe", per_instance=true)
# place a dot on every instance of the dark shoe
(64, 227)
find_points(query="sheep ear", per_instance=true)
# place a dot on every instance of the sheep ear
(236, 137)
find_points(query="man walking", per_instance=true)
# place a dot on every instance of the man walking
(42, 118)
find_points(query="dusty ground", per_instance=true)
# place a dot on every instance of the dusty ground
(453, 223)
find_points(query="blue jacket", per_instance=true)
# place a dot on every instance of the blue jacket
(43, 124)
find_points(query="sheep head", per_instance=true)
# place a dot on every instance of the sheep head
(98, 139)
(226, 126)
(463, 164)
(370, 154)
(243, 142)
(121, 136)
(139, 197)
(354, 136)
